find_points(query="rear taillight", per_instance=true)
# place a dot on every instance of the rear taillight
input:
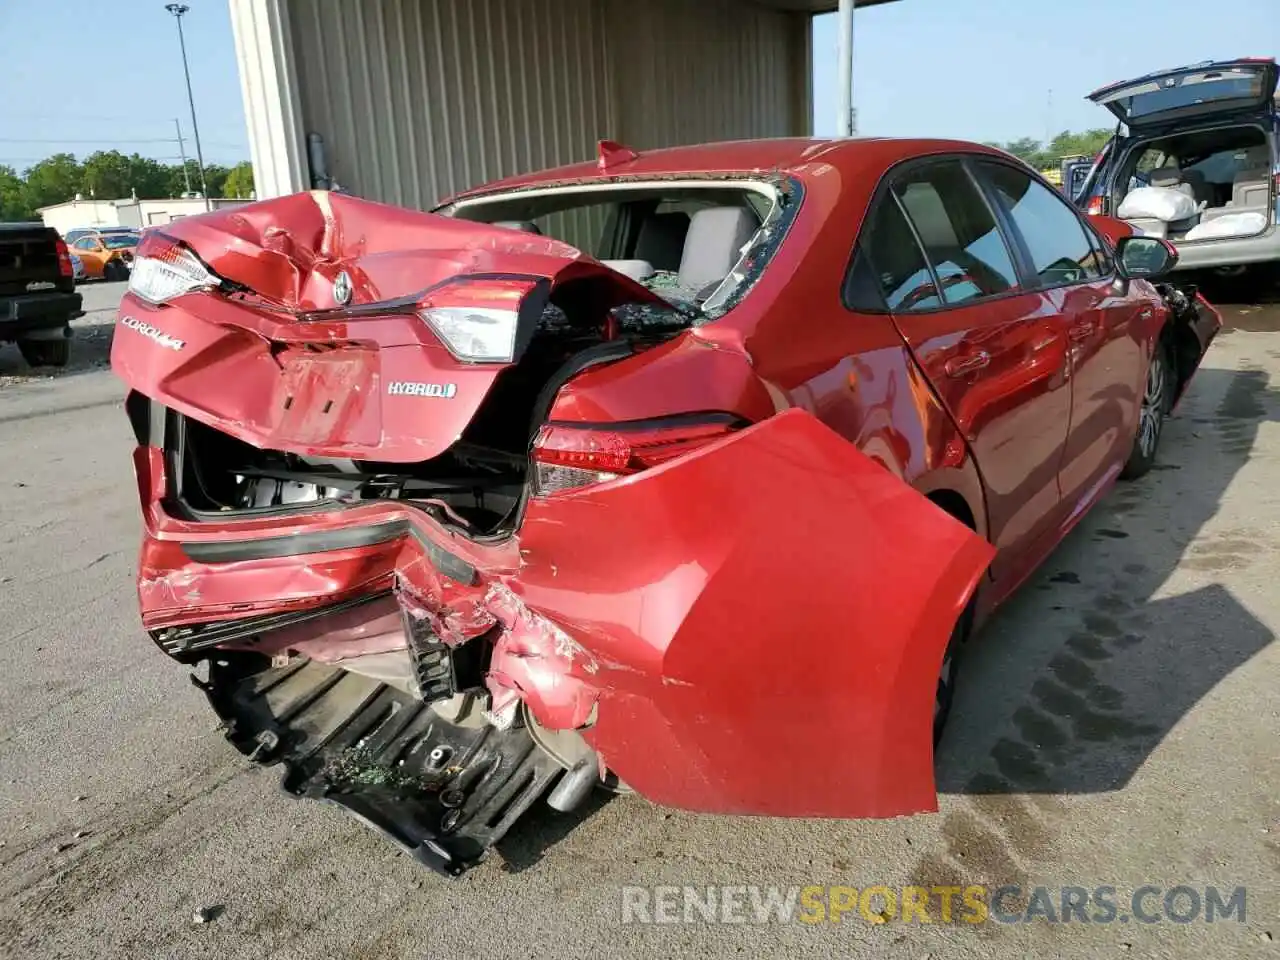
(479, 321)
(569, 457)
(1095, 207)
(64, 259)
(165, 268)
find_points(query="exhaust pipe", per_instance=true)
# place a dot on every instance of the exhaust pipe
(575, 786)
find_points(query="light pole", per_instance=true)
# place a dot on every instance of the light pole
(182, 154)
(846, 122)
(178, 9)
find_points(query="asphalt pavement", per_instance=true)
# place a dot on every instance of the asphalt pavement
(1117, 724)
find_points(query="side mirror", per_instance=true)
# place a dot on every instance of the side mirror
(1145, 258)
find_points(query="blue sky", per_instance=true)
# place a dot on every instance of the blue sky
(984, 69)
(91, 75)
(84, 75)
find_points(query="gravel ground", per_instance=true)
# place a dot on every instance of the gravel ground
(1117, 724)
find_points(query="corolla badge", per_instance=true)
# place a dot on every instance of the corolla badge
(154, 334)
(342, 289)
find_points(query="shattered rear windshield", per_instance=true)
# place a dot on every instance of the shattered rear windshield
(700, 246)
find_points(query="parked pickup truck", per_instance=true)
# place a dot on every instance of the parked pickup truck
(38, 298)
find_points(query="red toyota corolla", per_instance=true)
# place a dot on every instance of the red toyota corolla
(684, 473)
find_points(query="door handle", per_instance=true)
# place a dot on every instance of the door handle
(967, 364)
(1081, 331)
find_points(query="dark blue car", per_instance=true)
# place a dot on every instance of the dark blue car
(1209, 131)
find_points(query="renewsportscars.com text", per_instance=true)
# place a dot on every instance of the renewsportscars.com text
(1009, 904)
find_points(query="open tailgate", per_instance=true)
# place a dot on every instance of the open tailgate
(1200, 90)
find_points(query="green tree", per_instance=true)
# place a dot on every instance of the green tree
(14, 205)
(106, 175)
(1086, 143)
(110, 175)
(176, 184)
(239, 181)
(55, 179)
(1028, 149)
(150, 177)
(215, 175)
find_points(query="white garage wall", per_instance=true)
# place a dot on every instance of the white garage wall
(417, 99)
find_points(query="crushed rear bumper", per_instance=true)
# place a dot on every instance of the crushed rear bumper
(696, 631)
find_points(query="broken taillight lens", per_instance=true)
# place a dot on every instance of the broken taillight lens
(569, 457)
(164, 268)
(478, 320)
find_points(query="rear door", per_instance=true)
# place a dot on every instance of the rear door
(1193, 92)
(995, 351)
(1105, 327)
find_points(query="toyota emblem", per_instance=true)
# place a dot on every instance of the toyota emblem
(342, 289)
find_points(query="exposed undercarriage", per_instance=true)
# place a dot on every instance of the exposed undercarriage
(440, 780)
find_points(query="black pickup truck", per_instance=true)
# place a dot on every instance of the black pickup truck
(38, 298)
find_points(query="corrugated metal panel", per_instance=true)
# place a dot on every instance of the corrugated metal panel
(693, 71)
(417, 99)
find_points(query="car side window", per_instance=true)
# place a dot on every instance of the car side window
(1057, 243)
(958, 232)
(85, 243)
(1101, 253)
(889, 265)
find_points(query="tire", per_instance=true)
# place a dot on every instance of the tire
(114, 270)
(46, 353)
(1157, 401)
(945, 695)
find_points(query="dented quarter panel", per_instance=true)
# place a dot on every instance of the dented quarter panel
(756, 659)
(693, 372)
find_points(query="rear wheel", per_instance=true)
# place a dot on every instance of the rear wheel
(1156, 403)
(946, 692)
(45, 353)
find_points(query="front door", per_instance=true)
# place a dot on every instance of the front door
(1104, 329)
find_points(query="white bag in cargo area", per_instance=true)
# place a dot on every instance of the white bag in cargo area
(1229, 225)
(1158, 203)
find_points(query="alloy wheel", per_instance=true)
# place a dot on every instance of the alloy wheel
(1154, 401)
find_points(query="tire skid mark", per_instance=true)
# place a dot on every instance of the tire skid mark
(41, 889)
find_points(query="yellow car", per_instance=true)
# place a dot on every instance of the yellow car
(106, 256)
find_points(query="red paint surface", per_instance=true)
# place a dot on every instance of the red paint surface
(755, 627)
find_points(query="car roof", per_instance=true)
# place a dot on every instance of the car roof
(798, 156)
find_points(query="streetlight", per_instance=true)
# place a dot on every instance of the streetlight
(178, 9)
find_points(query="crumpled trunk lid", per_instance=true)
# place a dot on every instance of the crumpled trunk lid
(276, 359)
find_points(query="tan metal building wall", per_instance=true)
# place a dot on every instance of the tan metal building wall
(416, 99)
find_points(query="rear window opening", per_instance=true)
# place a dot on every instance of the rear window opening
(478, 485)
(698, 245)
(1220, 184)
